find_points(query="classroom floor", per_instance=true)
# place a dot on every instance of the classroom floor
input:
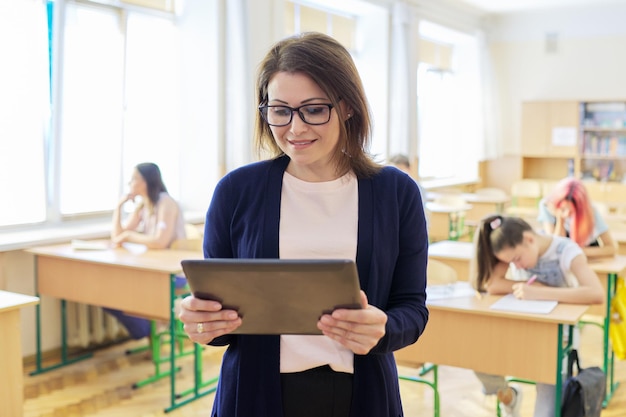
(101, 387)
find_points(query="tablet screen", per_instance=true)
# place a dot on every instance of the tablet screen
(276, 296)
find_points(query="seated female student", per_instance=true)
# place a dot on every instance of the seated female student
(568, 212)
(508, 253)
(157, 221)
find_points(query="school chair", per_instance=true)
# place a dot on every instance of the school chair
(525, 197)
(491, 192)
(437, 274)
(546, 187)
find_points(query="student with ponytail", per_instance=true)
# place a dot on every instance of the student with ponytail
(512, 258)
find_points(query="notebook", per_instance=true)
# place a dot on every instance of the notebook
(510, 303)
(276, 296)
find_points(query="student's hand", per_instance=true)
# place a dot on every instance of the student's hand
(204, 320)
(523, 291)
(357, 330)
(125, 198)
(117, 241)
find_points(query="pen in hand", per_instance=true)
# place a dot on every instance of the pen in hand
(531, 280)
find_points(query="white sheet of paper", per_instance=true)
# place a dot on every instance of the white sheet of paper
(78, 244)
(510, 303)
(456, 290)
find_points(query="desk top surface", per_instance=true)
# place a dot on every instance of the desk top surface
(451, 249)
(131, 256)
(443, 208)
(615, 264)
(562, 313)
(12, 301)
(473, 197)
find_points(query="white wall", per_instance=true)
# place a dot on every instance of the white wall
(589, 64)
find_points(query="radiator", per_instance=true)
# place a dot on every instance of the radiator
(88, 326)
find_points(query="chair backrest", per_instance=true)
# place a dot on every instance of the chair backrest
(526, 189)
(491, 192)
(547, 187)
(451, 200)
(440, 273)
(192, 231)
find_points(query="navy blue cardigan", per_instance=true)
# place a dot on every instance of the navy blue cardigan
(243, 222)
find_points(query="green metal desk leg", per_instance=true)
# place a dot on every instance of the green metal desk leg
(434, 384)
(174, 397)
(608, 354)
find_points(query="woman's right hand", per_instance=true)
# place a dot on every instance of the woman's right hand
(125, 198)
(204, 320)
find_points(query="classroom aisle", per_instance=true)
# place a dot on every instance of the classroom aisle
(100, 387)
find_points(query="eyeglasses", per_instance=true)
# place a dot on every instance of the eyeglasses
(312, 114)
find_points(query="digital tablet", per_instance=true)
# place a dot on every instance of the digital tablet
(276, 296)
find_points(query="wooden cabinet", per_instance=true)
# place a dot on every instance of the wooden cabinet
(585, 139)
(541, 123)
(549, 138)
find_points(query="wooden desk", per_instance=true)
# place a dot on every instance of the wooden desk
(620, 238)
(482, 205)
(529, 346)
(141, 283)
(459, 254)
(608, 270)
(454, 253)
(443, 220)
(11, 360)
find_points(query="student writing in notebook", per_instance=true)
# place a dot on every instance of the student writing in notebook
(512, 258)
(568, 211)
(320, 195)
(156, 221)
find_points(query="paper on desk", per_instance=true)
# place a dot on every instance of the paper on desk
(78, 244)
(510, 303)
(455, 290)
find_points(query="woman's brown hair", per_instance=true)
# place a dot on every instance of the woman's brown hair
(330, 65)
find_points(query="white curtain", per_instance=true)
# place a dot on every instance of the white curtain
(24, 110)
(491, 147)
(238, 107)
(402, 75)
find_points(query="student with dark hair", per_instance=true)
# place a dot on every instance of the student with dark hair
(512, 258)
(319, 196)
(157, 221)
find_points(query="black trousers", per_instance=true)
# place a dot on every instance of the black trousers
(317, 392)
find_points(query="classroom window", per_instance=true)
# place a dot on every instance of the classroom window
(119, 104)
(24, 111)
(449, 104)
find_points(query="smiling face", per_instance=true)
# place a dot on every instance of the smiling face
(310, 147)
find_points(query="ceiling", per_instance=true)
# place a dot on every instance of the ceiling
(509, 6)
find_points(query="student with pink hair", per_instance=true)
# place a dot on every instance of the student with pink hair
(568, 212)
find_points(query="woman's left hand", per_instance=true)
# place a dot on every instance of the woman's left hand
(121, 238)
(358, 330)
